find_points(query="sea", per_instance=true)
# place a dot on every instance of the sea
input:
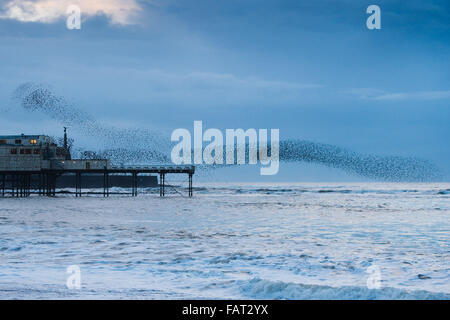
(231, 241)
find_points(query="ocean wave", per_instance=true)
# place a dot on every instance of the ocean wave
(321, 190)
(446, 191)
(274, 191)
(266, 289)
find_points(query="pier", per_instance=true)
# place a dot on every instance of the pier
(17, 183)
(31, 164)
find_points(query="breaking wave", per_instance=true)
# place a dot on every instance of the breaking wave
(265, 289)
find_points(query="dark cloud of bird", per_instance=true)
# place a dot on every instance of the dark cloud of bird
(123, 144)
(127, 146)
(386, 168)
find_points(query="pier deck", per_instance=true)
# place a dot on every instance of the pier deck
(18, 183)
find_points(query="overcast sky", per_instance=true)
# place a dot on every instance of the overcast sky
(310, 68)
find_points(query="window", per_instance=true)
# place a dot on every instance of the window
(14, 151)
(33, 141)
(18, 141)
(37, 151)
(22, 151)
(3, 141)
(27, 151)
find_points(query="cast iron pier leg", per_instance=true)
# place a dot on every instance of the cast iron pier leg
(190, 185)
(13, 185)
(106, 184)
(162, 181)
(40, 184)
(78, 184)
(135, 184)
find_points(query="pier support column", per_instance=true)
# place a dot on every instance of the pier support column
(39, 184)
(106, 184)
(50, 184)
(53, 185)
(78, 184)
(190, 185)
(134, 184)
(43, 184)
(162, 181)
(3, 184)
(47, 184)
(21, 185)
(17, 188)
(27, 184)
(45, 176)
(13, 185)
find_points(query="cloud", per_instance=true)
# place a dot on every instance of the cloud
(226, 81)
(420, 95)
(376, 94)
(157, 87)
(364, 93)
(121, 12)
(206, 88)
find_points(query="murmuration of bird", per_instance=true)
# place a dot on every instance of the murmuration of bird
(129, 146)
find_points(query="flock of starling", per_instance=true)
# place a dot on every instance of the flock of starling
(128, 146)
